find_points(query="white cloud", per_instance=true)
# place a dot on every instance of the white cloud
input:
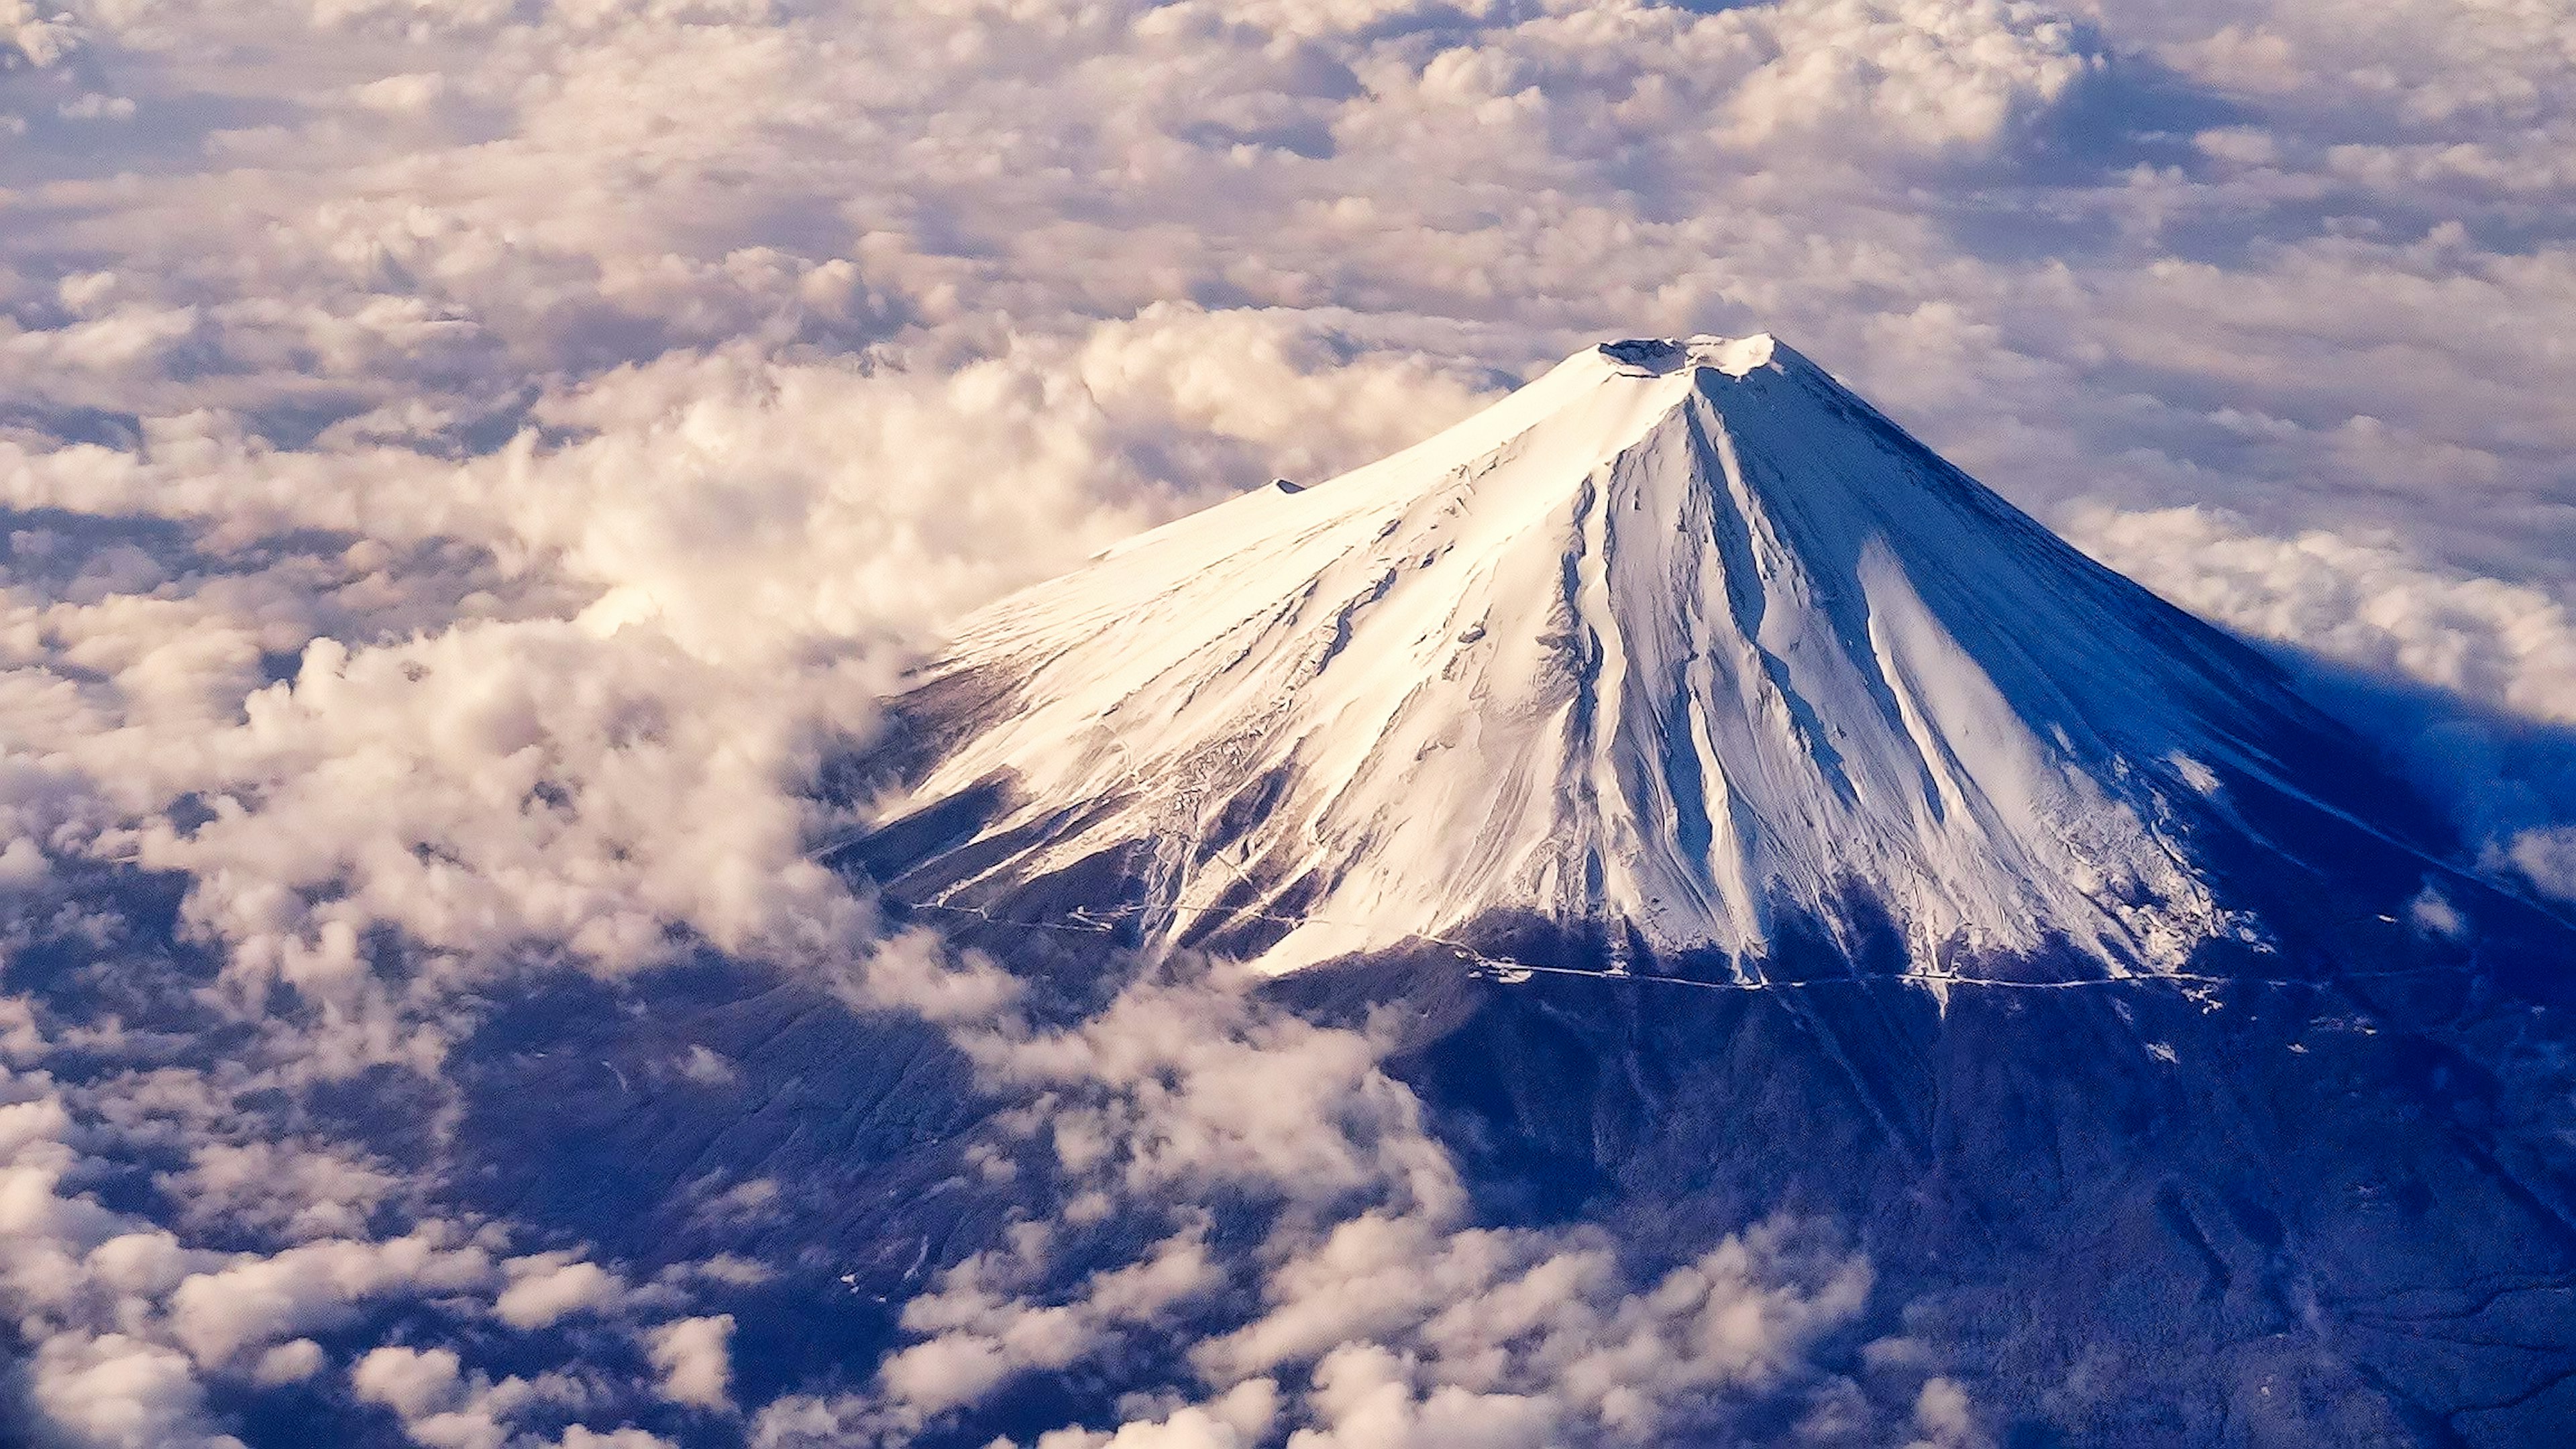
(442, 1406)
(39, 37)
(1381, 1315)
(289, 1363)
(695, 1360)
(251, 1303)
(1926, 74)
(1237, 1419)
(2498, 661)
(414, 1383)
(1942, 1417)
(300, 1191)
(129, 1322)
(117, 1392)
(543, 1290)
(582, 1436)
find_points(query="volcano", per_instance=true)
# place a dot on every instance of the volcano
(1740, 811)
(1681, 659)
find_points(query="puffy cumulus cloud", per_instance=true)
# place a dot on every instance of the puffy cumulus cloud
(227, 1311)
(1504, 1339)
(296, 1190)
(2487, 727)
(88, 1290)
(582, 1436)
(1942, 1419)
(442, 1406)
(2428, 76)
(1378, 1311)
(1240, 1417)
(41, 38)
(545, 1288)
(1929, 75)
(557, 759)
(978, 1333)
(117, 1391)
(908, 494)
(130, 1326)
(1171, 1090)
(2359, 600)
(692, 1355)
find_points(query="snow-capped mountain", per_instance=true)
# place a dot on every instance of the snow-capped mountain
(1682, 668)
(1681, 652)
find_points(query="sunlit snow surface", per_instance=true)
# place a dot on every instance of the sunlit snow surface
(1681, 637)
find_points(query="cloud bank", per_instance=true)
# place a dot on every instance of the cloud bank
(471, 465)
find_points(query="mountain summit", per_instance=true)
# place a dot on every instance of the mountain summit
(1681, 654)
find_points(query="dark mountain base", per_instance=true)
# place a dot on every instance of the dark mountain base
(2277, 1215)
(2338, 1215)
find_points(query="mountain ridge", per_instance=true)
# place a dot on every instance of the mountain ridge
(1676, 651)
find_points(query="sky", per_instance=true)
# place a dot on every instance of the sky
(470, 465)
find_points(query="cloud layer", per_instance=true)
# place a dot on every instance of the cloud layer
(471, 465)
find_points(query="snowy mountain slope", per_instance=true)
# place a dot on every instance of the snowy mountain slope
(1681, 644)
